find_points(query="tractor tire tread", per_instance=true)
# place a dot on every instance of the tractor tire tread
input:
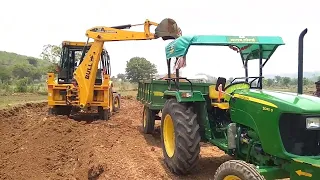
(239, 168)
(149, 128)
(187, 138)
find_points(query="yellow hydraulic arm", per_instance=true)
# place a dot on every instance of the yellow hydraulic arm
(85, 74)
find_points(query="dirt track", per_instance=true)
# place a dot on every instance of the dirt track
(36, 146)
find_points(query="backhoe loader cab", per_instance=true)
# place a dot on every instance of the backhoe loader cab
(271, 134)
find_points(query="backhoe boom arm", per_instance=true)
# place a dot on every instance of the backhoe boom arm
(85, 74)
(116, 33)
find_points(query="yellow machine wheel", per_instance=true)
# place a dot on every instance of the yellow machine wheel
(116, 102)
(237, 170)
(168, 135)
(180, 137)
(148, 120)
(231, 177)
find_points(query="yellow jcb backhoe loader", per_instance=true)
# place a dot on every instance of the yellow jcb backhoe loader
(70, 59)
(83, 91)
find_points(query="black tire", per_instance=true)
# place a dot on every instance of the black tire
(237, 168)
(116, 102)
(51, 111)
(186, 137)
(60, 110)
(104, 114)
(148, 120)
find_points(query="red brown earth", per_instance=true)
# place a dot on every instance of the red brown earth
(37, 146)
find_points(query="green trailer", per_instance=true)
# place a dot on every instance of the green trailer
(150, 93)
(270, 134)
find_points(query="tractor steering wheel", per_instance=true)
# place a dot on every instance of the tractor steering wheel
(234, 86)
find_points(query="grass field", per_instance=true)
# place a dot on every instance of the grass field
(20, 98)
(17, 98)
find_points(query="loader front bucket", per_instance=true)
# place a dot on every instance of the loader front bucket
(168, 29)
(305, 168)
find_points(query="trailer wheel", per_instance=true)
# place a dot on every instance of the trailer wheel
(116, 102)
(180, 137)
(104, 114)
(237, 170)
(148, 120)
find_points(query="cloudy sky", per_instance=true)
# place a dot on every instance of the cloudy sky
(28, 25)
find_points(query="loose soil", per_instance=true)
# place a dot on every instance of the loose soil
(37, 146)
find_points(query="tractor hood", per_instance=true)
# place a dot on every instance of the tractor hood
(285, 101)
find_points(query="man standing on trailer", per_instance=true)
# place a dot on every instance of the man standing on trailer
(317, 92)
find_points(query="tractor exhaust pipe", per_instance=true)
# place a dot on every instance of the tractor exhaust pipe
(300, 61)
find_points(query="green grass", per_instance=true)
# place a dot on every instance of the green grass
(306, 89)
(129, 93)
(21, 98)
(125, 89)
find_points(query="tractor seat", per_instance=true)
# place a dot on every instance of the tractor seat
(213, 95)
(222, 105)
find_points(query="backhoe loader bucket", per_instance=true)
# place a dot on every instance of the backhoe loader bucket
(168, 29)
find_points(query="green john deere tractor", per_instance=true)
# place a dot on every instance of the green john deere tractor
(272, 135)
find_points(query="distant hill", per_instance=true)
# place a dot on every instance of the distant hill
(10, 58)
(16, 66)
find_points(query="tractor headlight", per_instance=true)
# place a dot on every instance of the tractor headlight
(313, 123)
(186, 94)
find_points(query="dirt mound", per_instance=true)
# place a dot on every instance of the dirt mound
(37, 146)
(12, 111)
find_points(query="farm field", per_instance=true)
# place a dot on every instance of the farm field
(37, 146)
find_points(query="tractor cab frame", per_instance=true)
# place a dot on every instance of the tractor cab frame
(250, 48)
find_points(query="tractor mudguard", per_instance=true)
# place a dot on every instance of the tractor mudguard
(185, 96)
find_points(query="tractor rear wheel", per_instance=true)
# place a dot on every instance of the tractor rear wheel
(237, 170)
(148, 120)
(180, 137)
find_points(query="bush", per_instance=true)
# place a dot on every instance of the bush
(22, 85)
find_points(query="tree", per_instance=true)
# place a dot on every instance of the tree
(32, 61)
(294, 81)
(230, 79)
(139, 68)
(121, 76)
(51, 53)
(278, 79)
(306, 81)
(4, 75)
(286, 81)
(270, 82)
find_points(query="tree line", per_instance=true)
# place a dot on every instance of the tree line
(21, 71)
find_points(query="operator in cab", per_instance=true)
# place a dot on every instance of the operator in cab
(317, 92)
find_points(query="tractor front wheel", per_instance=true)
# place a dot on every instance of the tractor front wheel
(180, 137)
(237, 170)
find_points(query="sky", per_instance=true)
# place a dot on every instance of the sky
(26, 26)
